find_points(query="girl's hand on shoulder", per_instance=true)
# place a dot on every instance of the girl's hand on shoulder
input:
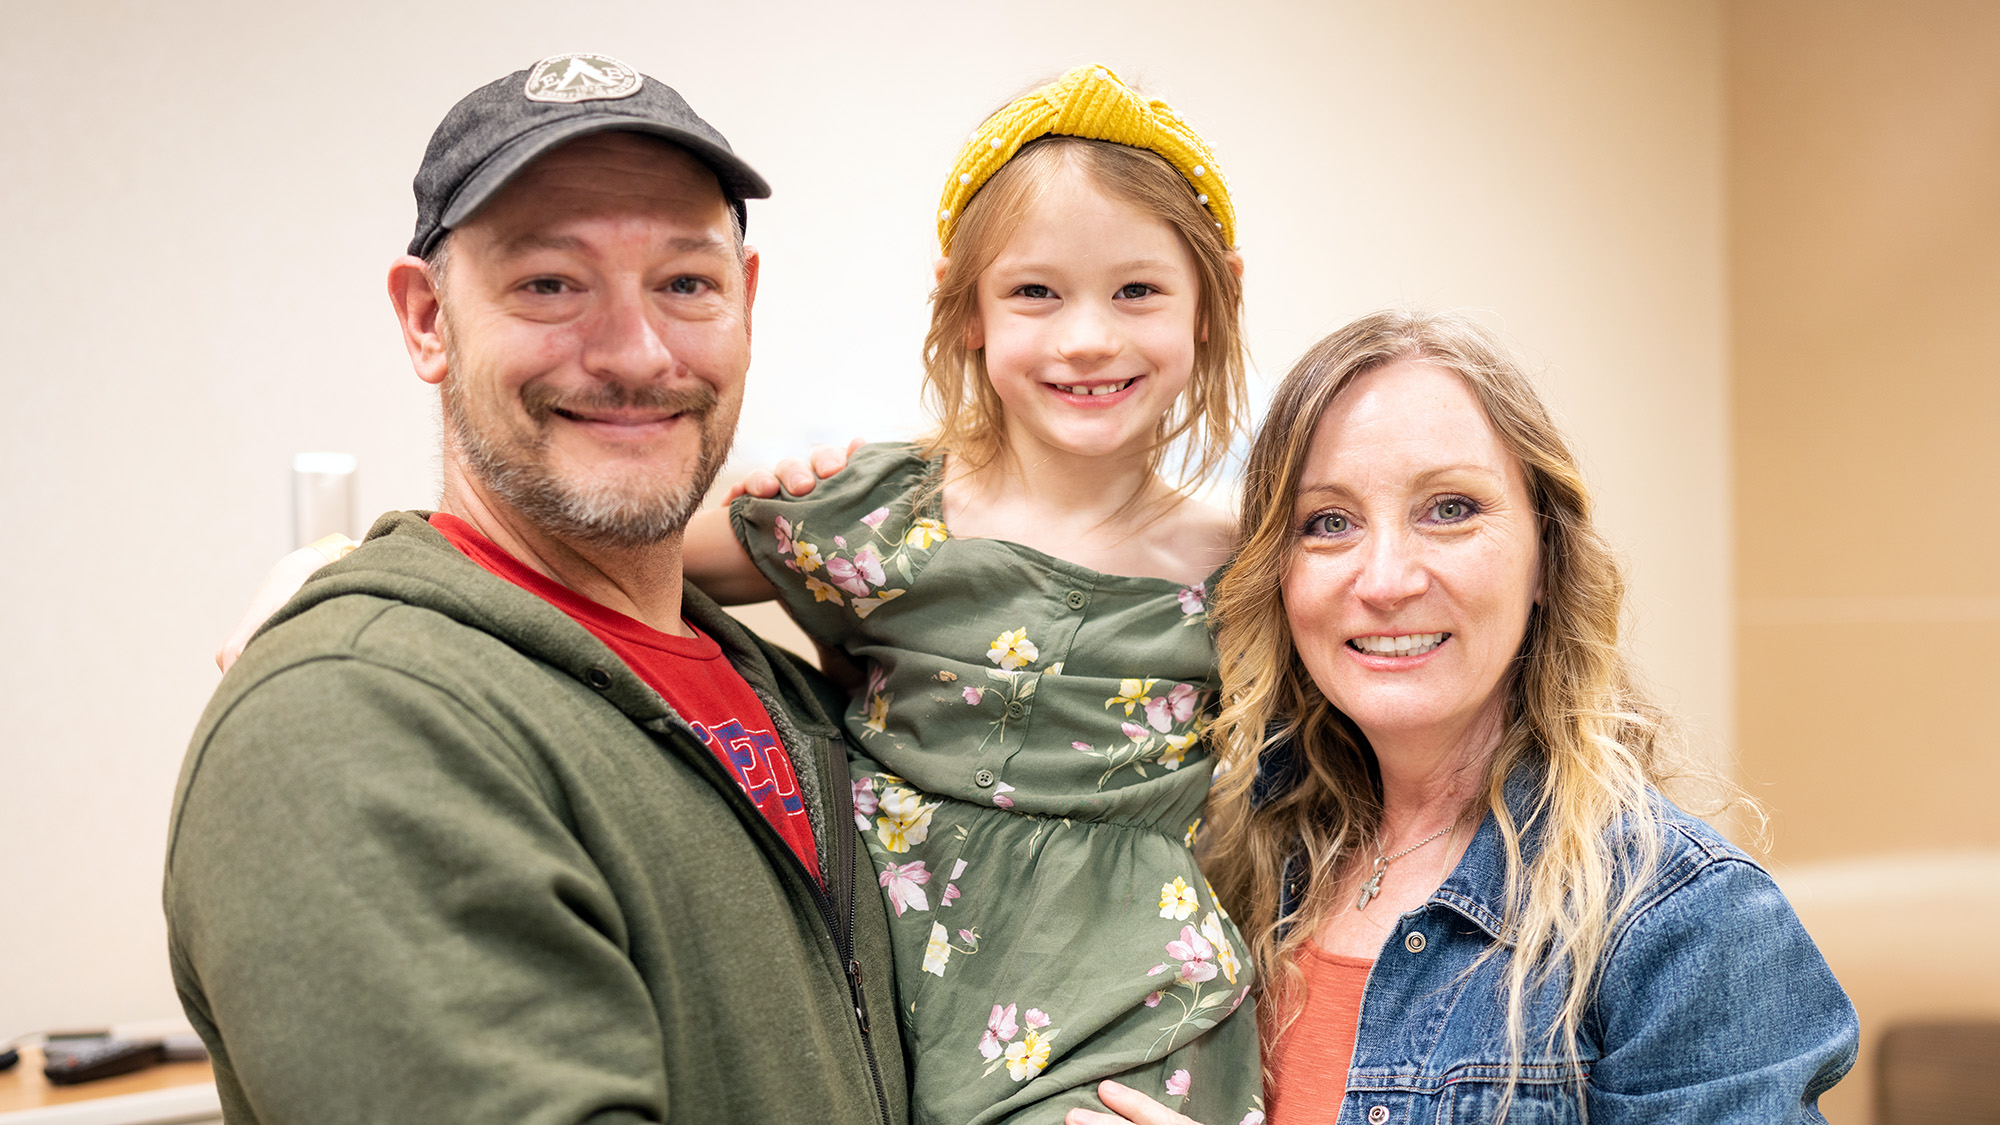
(798, 477)
(1129, 1107)
(280, 583)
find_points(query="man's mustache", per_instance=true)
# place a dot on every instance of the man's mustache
(541, 402)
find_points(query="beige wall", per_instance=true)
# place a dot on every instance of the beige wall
(200, 200)
(1864, 214)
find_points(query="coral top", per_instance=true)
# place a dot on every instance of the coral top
(1309, 1063)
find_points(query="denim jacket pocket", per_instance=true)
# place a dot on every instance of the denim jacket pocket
(1545, 1094)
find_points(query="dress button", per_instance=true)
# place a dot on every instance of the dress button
(1377, 1114)
(1414, 942)
(1075, 599)
(597, 678)
(983, 779)
(1016, 709)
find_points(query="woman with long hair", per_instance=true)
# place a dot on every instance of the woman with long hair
(1440, 821)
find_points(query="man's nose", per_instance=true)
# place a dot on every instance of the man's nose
(625, 341)
(1392, 570)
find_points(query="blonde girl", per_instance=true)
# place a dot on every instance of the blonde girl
(1024, 594)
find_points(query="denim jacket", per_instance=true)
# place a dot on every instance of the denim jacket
(1712, 1003)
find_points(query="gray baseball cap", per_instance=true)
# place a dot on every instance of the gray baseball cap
(500, 128)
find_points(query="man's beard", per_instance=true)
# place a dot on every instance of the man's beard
(609, 513)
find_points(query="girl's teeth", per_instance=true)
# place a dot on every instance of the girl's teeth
(1410, 644)
(1102, 389)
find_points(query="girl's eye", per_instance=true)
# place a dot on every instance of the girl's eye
(1327, 524)
(1453, 509)
(1034, 292)
(1135, 290)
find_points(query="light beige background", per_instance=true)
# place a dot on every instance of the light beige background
(200, 200)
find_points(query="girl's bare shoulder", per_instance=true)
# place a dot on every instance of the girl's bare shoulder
(1199, 534)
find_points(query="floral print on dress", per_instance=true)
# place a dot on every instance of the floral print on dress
(878, 703)
(1024, 1057)
(1012, 650)
(1194, 604)
(1174, 722)
(904, 884)
(1196, 958)
(905, 819)
(862, 574)
(865, 803)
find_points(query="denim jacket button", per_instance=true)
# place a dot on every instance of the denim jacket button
(1414, 942)
(1377, 1114)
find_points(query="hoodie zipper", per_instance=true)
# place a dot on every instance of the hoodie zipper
(842, 799)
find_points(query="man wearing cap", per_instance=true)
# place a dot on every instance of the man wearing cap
(497, 820)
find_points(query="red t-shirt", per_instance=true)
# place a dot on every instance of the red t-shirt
(690, 673)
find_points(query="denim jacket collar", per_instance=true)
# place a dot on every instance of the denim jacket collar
(1476, 887)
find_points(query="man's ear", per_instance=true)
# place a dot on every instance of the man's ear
(751, 263)
(1235, 263)
(420, 312)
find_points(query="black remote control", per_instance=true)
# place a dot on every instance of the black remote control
(66, 1062)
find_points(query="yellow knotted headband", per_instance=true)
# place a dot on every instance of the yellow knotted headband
(1092, 103)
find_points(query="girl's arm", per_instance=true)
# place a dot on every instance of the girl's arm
(713, 560)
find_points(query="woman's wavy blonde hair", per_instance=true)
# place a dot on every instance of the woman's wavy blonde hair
(1572, 702)
(972, 425)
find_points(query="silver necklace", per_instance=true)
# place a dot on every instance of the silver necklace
(1373, 886)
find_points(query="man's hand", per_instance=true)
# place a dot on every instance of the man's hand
(798, 477)
(1130, 1107)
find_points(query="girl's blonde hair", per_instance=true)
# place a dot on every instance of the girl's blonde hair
(971, 424)
(1573, 706)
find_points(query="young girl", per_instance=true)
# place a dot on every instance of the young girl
(1025, 595)
(1026, 598)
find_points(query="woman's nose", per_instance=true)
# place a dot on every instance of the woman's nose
(1392, 571)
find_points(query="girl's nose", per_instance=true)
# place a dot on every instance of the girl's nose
(1087, 334)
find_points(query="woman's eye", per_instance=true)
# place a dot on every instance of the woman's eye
(1135, 291)
(1452, 509)
(1327, 523)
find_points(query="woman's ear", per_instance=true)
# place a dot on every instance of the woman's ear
(937, 270)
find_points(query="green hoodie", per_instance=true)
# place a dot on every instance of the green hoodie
(438, 855)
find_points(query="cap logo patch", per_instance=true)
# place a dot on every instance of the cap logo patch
(581, 77)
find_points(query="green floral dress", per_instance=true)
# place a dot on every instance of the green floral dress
(1031, 781)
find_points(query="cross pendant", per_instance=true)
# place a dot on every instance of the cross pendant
(1372, 887)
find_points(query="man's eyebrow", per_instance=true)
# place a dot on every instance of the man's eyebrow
(535, 240)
